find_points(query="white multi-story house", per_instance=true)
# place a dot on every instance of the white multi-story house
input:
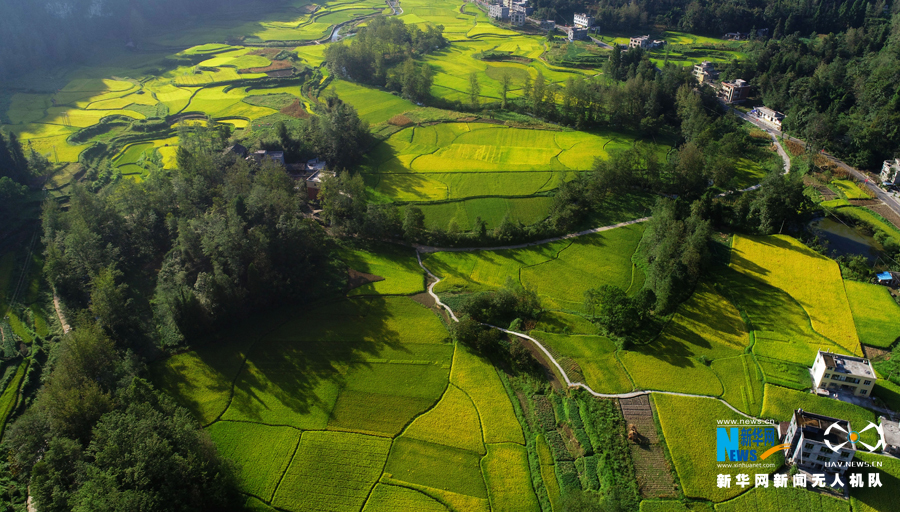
(773, 117)
(890, 171)
(517, 18)
(837, 372)
(584, 20)
(639, 42)
(705, 72)
(498, 12)
(806, 438)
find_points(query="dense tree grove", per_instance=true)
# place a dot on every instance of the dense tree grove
(675, 250)
(99, 438)
(371, 55)
(716, 18)
(224, 236)
(838, 90)
(52, 33)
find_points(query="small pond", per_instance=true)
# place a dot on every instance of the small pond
(846, 240)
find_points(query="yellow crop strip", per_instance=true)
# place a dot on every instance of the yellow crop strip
(811, 279)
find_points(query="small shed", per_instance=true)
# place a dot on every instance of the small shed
(885, 278)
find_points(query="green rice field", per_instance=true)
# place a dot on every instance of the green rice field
(373, 380)
(686, 424)
(874, 312)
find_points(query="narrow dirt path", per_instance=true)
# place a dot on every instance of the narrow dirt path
(59, 314)
(429, 249)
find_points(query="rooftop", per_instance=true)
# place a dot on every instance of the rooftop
(891, 432)
(769, 112)
(813, 427)
(847, 364)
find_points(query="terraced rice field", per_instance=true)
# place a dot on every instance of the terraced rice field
(779, 404)
(374, 381)
(590, 359)
(874, 313)
(399, 269)
(559, 271)
(814, 281)
(686, 424)
(850, 189)
(769, 499)
(479, 147)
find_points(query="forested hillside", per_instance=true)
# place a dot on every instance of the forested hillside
(45, 33)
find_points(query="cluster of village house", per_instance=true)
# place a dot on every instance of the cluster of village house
(517, 12)
(311, 171)
(808, 435)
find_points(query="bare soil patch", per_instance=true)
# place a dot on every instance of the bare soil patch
(295, 109)
(886, 212)
(355, 278)
(276, 65)
(874, 352)
(424, 299)
(400, 120)
(268, 53)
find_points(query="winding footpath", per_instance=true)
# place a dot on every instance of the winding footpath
(434, 280)
(569, 383)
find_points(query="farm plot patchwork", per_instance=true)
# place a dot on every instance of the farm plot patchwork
(594, 357)
(364, 365)
(508, 479)
(392, 498)
(483, 270)
(813, 280)
(363, 370)
(470, 147)
(262, 453)
(769, 499)
(781, 327)
(589, 262)
(491, 210)
(373, 105)
(321, 477)
(479, 380)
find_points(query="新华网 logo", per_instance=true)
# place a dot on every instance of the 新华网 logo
(745, 444)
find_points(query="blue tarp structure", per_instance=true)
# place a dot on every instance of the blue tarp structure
(885, 276)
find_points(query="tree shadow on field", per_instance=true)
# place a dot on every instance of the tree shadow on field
(739, 260)
(300, 365)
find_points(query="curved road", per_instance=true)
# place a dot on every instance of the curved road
(889, 199)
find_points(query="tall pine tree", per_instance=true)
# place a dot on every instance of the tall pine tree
(7, 165)
(20, 163)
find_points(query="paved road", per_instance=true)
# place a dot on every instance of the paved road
(887, 198)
